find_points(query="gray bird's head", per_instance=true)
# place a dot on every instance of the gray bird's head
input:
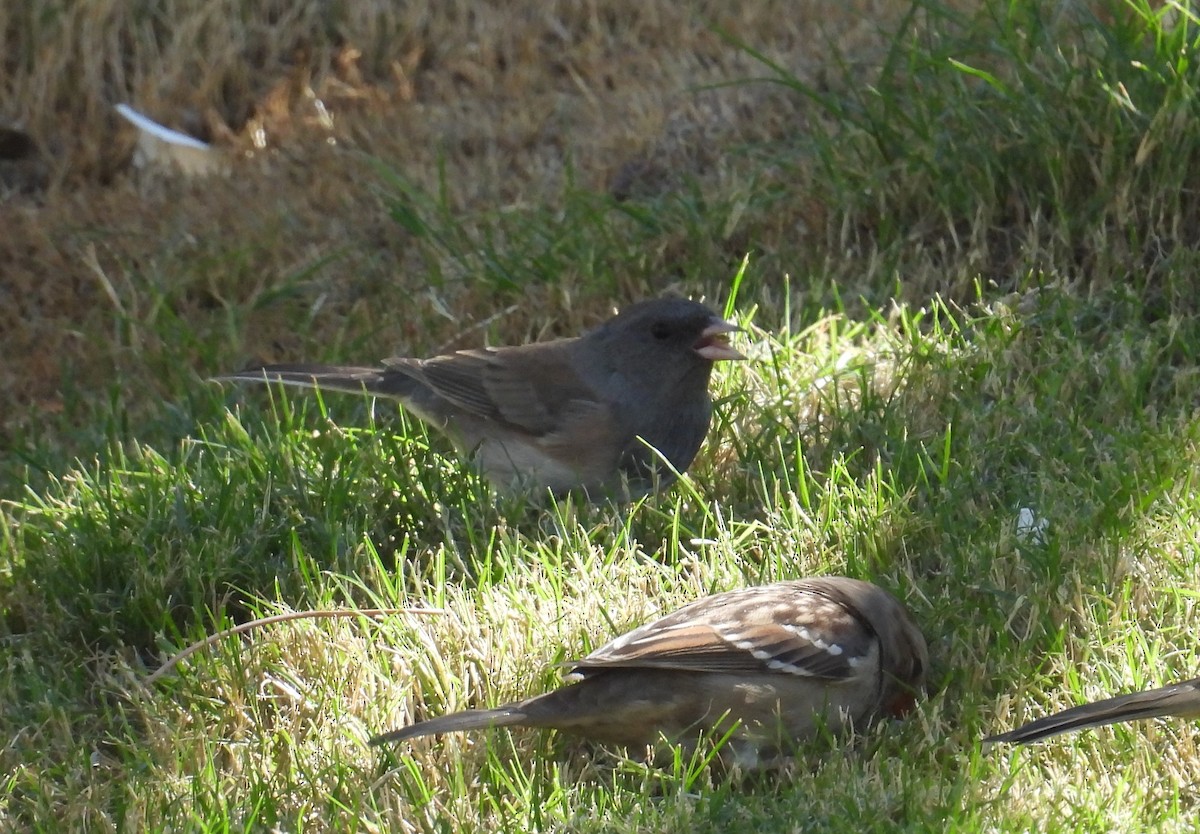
(664, 332)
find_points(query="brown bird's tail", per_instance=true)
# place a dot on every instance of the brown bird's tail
(1181, 699)
(349, 379)
(472, 719)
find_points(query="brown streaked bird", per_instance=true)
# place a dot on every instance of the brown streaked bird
(1181, 700)
(781, 660)
(580, 413)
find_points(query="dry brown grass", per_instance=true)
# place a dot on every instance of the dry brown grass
(501, 97)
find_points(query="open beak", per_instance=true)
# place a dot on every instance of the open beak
(712, 344)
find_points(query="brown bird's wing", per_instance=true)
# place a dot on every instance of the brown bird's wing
(527, 388)
(748, 631)
(1181, 700)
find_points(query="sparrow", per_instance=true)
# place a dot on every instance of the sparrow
(771, 665)
(1181, 700)
(592, 413)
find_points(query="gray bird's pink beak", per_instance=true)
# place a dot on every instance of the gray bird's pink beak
(712, 344)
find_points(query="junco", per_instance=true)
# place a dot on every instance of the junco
(1181, 700)
(578, 413)
(782, 660)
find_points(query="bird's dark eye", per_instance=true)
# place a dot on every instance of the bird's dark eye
(660, 330)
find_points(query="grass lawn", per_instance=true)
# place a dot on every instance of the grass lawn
(964, 245)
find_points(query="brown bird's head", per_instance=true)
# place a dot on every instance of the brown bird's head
(904, 656)
(905, 662)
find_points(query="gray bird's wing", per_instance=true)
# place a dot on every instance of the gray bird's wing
(527, 388)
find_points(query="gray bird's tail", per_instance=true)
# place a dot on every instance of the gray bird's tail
(473, 719)
(353, 380)
(1180, 700)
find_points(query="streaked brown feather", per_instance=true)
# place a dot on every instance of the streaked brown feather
(737, 632)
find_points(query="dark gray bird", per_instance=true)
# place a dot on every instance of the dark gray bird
(576, 413)
(782, 659)
(1181, 700)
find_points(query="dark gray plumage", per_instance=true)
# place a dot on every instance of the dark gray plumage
(565, 414)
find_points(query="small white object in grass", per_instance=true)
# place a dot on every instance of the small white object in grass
(1030, 527)
(160, 146)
